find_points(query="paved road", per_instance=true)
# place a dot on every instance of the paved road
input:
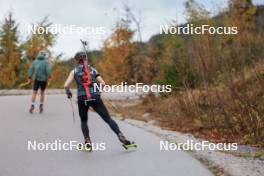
(17, 126)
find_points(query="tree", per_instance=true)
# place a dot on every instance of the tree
(10, 54)
(37, 41)
(195, 12)
(117, 51)
(137, 20)
(60, 72)
(246, 45)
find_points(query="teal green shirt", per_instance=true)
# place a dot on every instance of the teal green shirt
(41, 68)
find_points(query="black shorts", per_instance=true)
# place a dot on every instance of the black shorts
(39, 84)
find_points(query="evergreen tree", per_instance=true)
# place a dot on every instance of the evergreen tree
(10, 54)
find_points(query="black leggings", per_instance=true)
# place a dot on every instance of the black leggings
(100, 108)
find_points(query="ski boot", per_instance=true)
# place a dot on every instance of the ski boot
(31, 110)
(41, 108)
(86, 146)
(126, 143)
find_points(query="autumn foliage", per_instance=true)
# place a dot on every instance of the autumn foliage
(117, 50)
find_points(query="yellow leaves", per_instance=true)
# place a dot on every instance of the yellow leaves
(10, 63)
(59, 74)
(116, 51)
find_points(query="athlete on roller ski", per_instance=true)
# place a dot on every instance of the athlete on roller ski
(85, 77)
(42, 71)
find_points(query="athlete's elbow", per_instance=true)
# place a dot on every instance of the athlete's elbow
(102, 82)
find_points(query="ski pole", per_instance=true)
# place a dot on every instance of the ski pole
(84, 43)
(73, 114)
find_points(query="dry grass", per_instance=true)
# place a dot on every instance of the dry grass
(231, 111)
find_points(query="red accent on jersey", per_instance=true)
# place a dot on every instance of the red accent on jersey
(86, 79)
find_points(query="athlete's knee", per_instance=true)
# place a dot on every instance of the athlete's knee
(42, 92)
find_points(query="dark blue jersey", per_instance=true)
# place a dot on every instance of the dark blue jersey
(78, 73)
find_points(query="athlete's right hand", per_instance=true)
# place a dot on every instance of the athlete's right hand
(68, 92)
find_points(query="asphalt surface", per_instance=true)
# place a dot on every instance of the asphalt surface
(18, 127)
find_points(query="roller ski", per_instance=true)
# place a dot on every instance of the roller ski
(126, 143)
(86, 146)
(31, 109)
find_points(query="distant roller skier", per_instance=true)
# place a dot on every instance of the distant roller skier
(86, 76)
(42, 71)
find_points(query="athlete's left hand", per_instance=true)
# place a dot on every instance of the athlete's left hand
(68, 92)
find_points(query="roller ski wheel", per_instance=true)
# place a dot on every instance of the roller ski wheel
(86, 147)
(129, 145)
(41, 108)
(31, 110)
